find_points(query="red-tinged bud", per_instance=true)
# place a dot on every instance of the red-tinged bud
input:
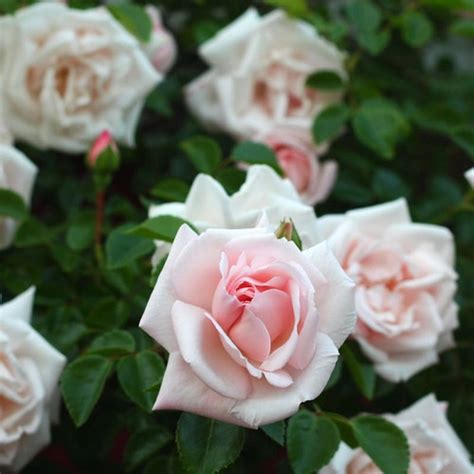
(104, 142)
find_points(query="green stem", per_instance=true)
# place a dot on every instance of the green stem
(99, 221)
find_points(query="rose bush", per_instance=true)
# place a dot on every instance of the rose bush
(208, 132)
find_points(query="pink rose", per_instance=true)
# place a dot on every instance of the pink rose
(252, 324)
(405, 285)
(299, 160)
(161, 49)
(434, 446)
(469, 174)
(258, 72)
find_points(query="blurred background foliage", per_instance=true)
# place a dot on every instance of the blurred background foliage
(406, 128)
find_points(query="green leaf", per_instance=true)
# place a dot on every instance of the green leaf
(171, 189)
(164, 464)
(255, 154)
(311, 441)
(12, 205)
(329, 122)
(463, 27)
(388, 185)
(467, 5)
(134, 18)
(63, 327)
(374, 41)
(121, 249)
(108, 313)
(113, 343)
(203, 152)
(137, 373)
(367, 18)
(231, 178)
(416, 28)
(206, 446)
(298, 8)
(80, 233)
(384, 442)
(276, 431)
(325, 80)
(346, 431)
(160, 228)
(464, 137)
(362, 373)
(379, 124)
(31, 233)
(350, 191)
(144, 444)
(364, 14)
(82, 384)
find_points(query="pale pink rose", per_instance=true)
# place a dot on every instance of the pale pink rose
(469, 174)
(434, 446)
(29, 371)
(258, 72)
(405, 285)
(252, 324)
(298, 158)
(67, 74)
(103, 141)
(161, 49)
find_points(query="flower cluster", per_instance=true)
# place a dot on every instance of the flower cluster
(257, 305)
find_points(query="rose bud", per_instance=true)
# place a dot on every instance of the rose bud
(104, 155)
(286, 230)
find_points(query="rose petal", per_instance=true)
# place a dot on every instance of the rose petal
(201, 347)
(250, 335)
(156, 319)
(20, 308)
(273, 307)
(335, 300)
(182, 390)
(269, 404)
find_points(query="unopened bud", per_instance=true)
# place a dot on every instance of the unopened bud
(104, 154)
(286, 230)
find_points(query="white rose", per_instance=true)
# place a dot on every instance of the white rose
(434, 446)
(68, 74)
(17, 173)
(29, 371)
(469, 174)
(259, 67)
(209, 206)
